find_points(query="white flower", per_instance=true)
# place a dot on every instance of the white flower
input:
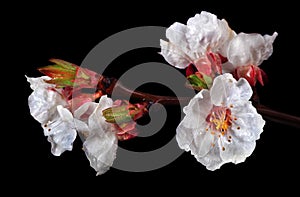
(249, 49)
(221, 125)
(188, 43)
(100, 141)
(48, 107)
(61, 131)
(44, 99)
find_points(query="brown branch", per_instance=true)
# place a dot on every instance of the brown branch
(279, 117)
(120, 91)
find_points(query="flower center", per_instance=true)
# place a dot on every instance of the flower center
(219, 119)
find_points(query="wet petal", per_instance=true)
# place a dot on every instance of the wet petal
(62, 140)
(96, 119)
(202, 143)
(224, 90)
(43, 100)
(174, 55)
(212, 160)
(85, 110)
(249, 124)
(237, 151)
(176, 35)
(101, 151)
(250, 49)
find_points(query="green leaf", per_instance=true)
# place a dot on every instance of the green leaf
(197, 82)
(208, 80)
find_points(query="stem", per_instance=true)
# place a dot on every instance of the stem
(278, 116)
(119, 90)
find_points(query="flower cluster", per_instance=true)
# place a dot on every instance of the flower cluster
(64, 111)
(220, 125)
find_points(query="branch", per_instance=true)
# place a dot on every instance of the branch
(120, 90)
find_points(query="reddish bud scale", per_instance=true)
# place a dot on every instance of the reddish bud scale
(251, 73)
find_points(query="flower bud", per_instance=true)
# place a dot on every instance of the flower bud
(65, 74)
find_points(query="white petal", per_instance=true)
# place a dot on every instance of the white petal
(202, 143)
(227, 34)
(206, 32)
(184, 137)
(224, 90)
(61, 119)
(96, 119)
(85, 110)
(268, 49)
(249, 124)
(43, 101)
(101, 151)
(39, 82)
(237, 151)
(187, 132)
(202, 31)
(82, 128)
(64, 114)
(245, 90)
(191, 133)
(62, 140)
(212, 160)
(174, 55)
(246, 49)
(197, 110)
(176, 35)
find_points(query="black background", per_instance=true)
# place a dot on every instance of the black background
(70, 31)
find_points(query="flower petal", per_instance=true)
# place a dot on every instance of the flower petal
(174, 55)
(62, 140)
(191, 133)
(226, 90)
(245, 90)
(82, 128)
(202, 31)
(64, 114)
(268, 49)
(250, 49)
(237, 151)
(249, 124)
(96, 119)
(202, 143)
(197, 109)
(85, 110)
(101, 151)
(43, 100)
(206, 32)
(212, 160)
(223, 90)
(176, 35)
(39, 82)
